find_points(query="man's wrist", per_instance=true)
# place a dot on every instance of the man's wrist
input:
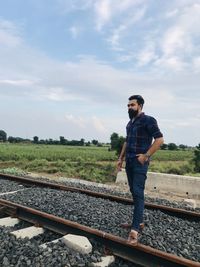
(147, 155)
(120, 159)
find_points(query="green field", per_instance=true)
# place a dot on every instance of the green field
(90, 163)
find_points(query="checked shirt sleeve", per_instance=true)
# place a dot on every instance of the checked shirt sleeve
(153, 129)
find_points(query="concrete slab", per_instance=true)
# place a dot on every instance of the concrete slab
(9, 221)
(78, 243)
(28, 232)
(187, 186)
(106, 261)
(190, 202)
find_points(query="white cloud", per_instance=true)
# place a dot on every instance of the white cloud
(58, 94)
(172, 13)
(9, 35)
(146, 55)
(196, 63)
(77, 121)
(17, 82)
(107, 10)
(125, 26)
(178, 44)
(103, 11)
(91, 123)
(98, 124)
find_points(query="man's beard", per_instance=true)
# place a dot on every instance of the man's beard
(132, 113)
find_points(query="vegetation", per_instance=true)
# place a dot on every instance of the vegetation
(89, 163)
(3, 136)
(87, 160)
(196, 159)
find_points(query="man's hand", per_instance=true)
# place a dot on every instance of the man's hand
(119, 164)
(142, 158)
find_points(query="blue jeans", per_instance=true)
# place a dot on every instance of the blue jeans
(137, 174)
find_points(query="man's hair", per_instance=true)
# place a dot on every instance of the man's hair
(139, 98)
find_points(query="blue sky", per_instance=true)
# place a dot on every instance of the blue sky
(67, 67)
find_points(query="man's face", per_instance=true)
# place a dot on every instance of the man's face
(132, 104)
(133, 109)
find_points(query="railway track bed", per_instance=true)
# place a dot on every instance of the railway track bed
(165, 232)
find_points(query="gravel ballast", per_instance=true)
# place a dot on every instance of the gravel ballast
(164, 232)
(24, 252)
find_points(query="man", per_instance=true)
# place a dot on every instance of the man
(137, 149)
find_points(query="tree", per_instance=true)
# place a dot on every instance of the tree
(3, 136)
(35, 139)
(62, 140)
(196, 158)
(182, 147)
(82, 142)
(117, 142)
(114, 140)
(172, 146)
(164, 147)
(121, 141)
(95, 142)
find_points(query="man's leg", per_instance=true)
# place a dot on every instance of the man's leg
(138, 197)
(130, 176)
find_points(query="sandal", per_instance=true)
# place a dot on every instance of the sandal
(133, 239)
(129, 225)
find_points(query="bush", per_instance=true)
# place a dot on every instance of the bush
(196, 159)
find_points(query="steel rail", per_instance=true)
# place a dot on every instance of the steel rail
(181, 213)
(140, 254)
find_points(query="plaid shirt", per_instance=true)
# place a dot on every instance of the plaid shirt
(140, 134)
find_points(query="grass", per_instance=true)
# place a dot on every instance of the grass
(89, 163)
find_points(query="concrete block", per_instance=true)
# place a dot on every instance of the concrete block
(28, 232)
(178, 184)
(8, 221)
(78, 243)
(106, 261)
(190, 202)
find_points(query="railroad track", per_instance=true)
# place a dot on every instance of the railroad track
(142, 254)
(19, 234)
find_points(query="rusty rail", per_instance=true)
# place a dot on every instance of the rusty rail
(141, 254)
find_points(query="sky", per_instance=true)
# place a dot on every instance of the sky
(68, 67)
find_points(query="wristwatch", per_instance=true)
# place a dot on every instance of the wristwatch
(147, 155)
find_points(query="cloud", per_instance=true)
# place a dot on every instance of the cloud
(77, 121)
(125, 26)
(17, 82)
(9, 34)
(103, 11)
(86, 97)
(93, 123)
(178, 44)
(59, 94)
(107, 10)
(98, 125)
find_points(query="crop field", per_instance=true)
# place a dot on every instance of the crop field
(90, 163)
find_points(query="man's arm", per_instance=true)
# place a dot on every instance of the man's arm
(153, 148)
(121, 157)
